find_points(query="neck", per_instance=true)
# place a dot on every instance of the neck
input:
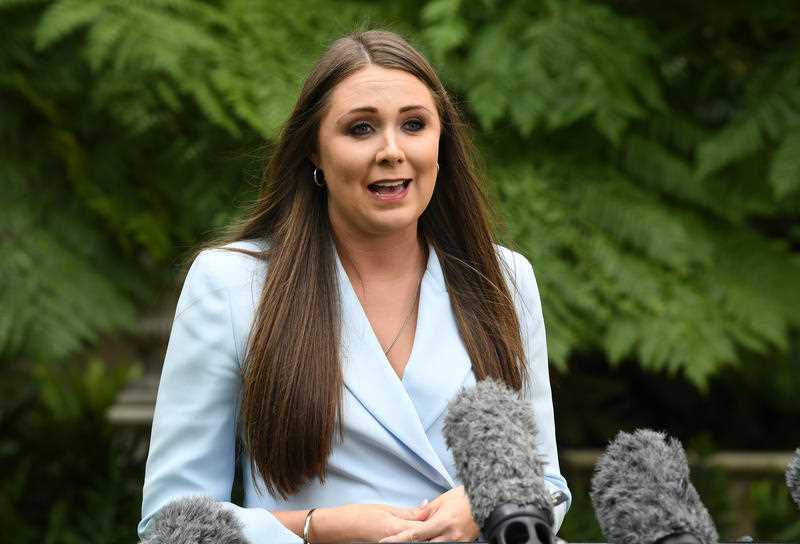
(387, 257)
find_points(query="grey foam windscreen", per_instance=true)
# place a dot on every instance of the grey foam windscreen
(194, 520)
(491, 432)
(793, 477)
(641, 491)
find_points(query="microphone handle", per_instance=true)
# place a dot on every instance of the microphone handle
(679, 538)
(515, 524)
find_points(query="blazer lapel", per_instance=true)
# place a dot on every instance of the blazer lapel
(370, 378)
(440, 365)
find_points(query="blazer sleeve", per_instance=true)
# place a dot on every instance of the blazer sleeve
(193, 437)
(538, 388)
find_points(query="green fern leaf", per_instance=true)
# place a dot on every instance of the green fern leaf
(5, 4)
(487, 100)
(620, 339)
(65, 17)
(733, 143)
(784, 174)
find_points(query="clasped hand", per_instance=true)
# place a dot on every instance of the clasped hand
(446, 518)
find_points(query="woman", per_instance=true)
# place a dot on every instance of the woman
(362, 292)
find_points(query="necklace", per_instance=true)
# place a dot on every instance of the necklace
(405, 321)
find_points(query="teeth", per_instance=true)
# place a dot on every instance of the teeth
(389, 183)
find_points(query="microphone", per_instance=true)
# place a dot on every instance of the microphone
(194, 520)
(491, 432)
(793, 477)
(641, 493)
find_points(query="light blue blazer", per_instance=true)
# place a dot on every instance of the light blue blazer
(392, 452)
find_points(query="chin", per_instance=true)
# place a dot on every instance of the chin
(393, 221)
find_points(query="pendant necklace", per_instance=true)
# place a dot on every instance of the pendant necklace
(405, 321)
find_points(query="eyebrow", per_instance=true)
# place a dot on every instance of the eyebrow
(371, 109)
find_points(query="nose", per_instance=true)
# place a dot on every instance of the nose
(391, 153)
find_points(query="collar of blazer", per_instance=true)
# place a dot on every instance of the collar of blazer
(436, 369)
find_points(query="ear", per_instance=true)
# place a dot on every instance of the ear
(314, 158)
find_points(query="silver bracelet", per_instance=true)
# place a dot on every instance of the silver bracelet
(307, 526)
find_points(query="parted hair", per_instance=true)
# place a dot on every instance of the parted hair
(292, 379)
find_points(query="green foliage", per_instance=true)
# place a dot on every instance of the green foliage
(546, 64)
(238, 63)
(667, 283)
(633, 190)
(645, 239)
(784, 175)
(65, 477)
(129, 128)
(644, 156)
(648, 170)
(767, 114)
(59, 301)
(776, 513)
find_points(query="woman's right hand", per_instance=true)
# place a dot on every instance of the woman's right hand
(362, 522)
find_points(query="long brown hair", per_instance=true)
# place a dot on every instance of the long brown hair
(292, 377)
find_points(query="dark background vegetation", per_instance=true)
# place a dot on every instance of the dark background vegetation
(644, 155)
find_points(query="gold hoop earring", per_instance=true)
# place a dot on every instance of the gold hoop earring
(316, 181)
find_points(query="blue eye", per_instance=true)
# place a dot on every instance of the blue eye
(418, 122)
(363, 128)
(355, 132)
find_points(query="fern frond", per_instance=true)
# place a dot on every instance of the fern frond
(547, 65)
(766, 118)
(676, 131)
(733, 143)
(52, 300)
(643, 277)
(237, 63)
(445, 30)
(784, 173)
(643, 222)
(660, 169)
(6, 4)
(65, 17)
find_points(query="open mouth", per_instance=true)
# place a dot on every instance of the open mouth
(389, 188)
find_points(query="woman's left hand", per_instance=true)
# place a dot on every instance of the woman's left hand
(446, 518)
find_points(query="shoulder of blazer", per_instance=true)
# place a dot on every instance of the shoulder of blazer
(516, 267)
(216, 269)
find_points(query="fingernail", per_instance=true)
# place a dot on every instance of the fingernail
(423, 503)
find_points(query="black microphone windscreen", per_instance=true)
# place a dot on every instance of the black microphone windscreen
(491, 432)
(641, 492)
(793, 477)
(194, 520)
